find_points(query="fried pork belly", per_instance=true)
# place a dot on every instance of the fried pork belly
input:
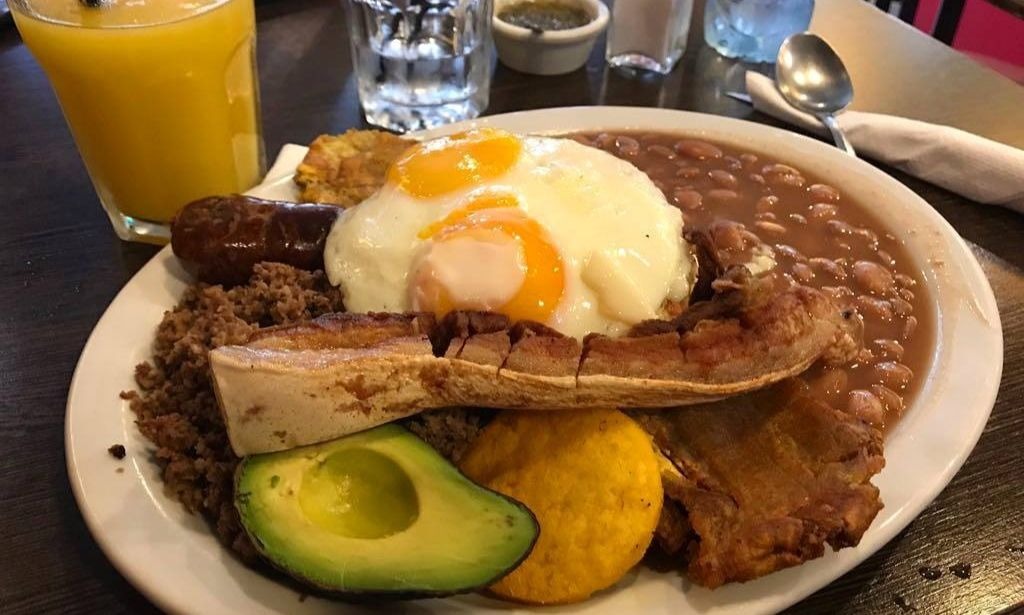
(766, 480)
(345, 169)
(346, 372)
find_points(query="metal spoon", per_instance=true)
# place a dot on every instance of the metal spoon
(812, 78)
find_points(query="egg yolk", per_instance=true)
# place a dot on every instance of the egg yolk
(542, 279)
(442, 166)
(481, 202)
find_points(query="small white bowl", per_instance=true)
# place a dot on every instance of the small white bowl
(553, 52)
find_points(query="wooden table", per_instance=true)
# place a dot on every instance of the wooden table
(62, 265)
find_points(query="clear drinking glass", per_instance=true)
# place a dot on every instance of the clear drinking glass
(421, 63)
(161, 97)
(648, 34)
(753, 30)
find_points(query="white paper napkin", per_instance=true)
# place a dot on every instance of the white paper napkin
(278, 184)
(977, 168)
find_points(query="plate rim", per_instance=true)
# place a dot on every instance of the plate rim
(167, 599)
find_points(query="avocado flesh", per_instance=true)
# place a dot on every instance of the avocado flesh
(379, 512)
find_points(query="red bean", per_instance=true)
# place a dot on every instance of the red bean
(779, 169)
(890, 399)
(699, 150)
(890, 349)
(901, 307)
(766, 203)
(803, 273)
(893, 375)
(790, 252)
(766, 215)
(904, 280)
(909, 326)
(688, 172)
(868, 234)
(662, 151)
(878, 309)
(749, 237)
(786, 180)
(732, 163)
(724, 179)
(720, 194)
(627, 146)
(798, 218)
(823, 211)
(873, 277)
(604, 140)
(886, 258)
(783, 174)
(865, 406)
(838, 228)
(757, 178)
(905, 294)
(726, 235)
(771, 228)
(839, 293)
(832, 268)
(748, 159)
(687, 199)
(823, 192)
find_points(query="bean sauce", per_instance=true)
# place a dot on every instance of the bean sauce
(819, 237)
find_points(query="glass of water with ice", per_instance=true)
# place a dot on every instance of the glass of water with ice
(753, 30)
(420, 63)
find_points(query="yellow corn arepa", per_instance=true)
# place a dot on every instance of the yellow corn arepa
(591, 477)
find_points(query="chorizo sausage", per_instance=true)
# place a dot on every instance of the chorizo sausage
(219, 239)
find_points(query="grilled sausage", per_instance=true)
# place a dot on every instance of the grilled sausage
(220, 238)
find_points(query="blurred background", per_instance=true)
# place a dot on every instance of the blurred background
(990, 31)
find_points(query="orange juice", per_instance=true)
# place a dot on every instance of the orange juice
(161, 97)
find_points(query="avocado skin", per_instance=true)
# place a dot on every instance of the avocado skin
(371, 595)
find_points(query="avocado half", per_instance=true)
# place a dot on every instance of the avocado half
(380, 512)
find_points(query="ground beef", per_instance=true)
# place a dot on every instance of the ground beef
(450, 430)
(175, 404)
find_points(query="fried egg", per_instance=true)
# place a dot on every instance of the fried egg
(537, 228)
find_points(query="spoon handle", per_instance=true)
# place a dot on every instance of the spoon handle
(837, 133)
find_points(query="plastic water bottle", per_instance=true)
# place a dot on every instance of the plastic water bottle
(753, 30)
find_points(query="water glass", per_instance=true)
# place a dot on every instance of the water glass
(421, 63)
(753, 30)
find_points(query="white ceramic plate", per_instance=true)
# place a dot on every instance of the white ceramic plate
(175, 560)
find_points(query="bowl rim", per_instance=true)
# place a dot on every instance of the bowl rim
(599, 21)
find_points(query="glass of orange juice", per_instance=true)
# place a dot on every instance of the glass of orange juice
(160, 95)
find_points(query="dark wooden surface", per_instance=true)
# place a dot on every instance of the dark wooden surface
(60, 265)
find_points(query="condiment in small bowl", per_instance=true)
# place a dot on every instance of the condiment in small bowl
(547, 37)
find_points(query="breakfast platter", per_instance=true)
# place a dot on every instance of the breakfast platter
(912, 351)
